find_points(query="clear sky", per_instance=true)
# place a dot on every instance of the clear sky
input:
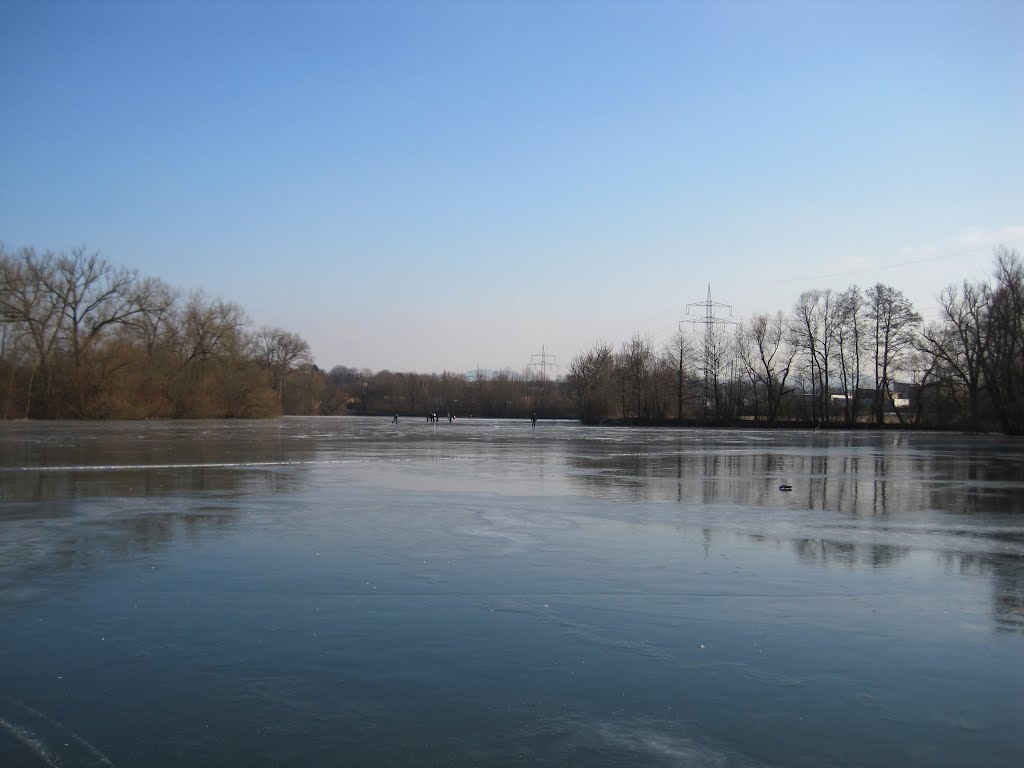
(437, 185)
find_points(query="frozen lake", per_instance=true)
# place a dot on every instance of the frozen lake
(333, 591)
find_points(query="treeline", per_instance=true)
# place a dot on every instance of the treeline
(502, 394)
(848, 358)
(82, 338)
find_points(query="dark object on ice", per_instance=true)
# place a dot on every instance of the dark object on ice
(785, 487)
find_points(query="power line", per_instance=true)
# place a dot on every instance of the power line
(868, 269)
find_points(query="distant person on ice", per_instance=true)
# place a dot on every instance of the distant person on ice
(395, 420)
(535, 418)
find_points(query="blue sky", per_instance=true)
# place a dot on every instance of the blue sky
(436, 185)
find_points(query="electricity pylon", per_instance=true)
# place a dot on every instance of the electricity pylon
(709, 320)
(543, 365)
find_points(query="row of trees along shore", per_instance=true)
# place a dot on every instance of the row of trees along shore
(81, 338)
(851, 358)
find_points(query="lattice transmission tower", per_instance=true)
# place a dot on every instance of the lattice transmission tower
(543, 361)
(547, 360)
(709, 320)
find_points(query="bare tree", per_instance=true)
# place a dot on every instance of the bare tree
(413, 390)
(27, 301)
(280, 351)
(1004, 329)
(679, 354)
(895, 322)
(848, 349)
(718, 360)
(957, 344)
(157, 303)
(636, 364)
(94, 296)
(15, 351)
(212, 331)
(816, 318)
(767, 356)
(589, 382)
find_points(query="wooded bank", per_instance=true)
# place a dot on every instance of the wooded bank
(81, 338)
